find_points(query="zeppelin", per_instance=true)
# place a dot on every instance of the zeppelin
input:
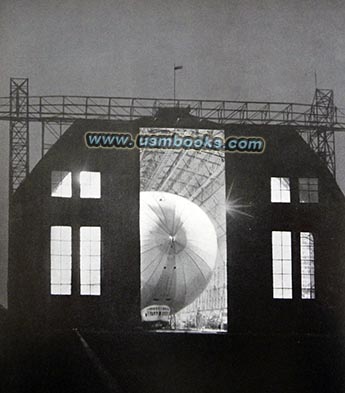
(178, 250)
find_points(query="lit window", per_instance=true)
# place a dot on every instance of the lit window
(280, 189)
(60, 260)
(282, 265)
(307, 266)
(90, 260)
(308, 190)
(61, 184)
(90, 184)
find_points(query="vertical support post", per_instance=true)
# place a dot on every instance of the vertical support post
(109, 108)
(322, 117)
(176, 68)
(43, 139)
(19, 132)
(174, 84)
(131, 110)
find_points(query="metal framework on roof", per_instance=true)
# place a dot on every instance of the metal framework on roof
(317, 122)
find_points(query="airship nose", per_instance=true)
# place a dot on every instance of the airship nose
(178, 249)
(177, 242)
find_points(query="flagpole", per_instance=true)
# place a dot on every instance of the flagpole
(175, 69)
(174, 84)
(315, 75)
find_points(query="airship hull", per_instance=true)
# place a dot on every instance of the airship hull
(178, 250)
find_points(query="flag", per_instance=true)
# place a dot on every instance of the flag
(178, 68)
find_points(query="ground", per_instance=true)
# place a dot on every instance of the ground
(146, 362)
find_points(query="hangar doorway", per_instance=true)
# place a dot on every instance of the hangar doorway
(182, 231)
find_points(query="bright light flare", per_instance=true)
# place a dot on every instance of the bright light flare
(234, 207)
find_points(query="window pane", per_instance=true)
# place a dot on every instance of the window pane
(95, 277)
(286, 266)
(285, 184)
(85, 277)
(65, 247)
(90, 184)
(55, 289)
(61, 184)
(275, 183)
(90, 260)
(307, 265)
(280, 189)
(287, 293)
(65, 277)
(95, 248)
(95, 290)
(277, 293)
(285, 196)
(95, 263)
(308, 190)
(65, 289)
(281, 265)
(277, 253)
(286, 252)
(60, 260)
(65, 263)
(286, 281)
(55, 262)
(85, 248)
(55, 276)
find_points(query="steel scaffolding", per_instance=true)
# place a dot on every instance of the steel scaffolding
(19, 132)
(318, 121)
(321, 138)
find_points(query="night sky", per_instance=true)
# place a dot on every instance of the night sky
(236, 50)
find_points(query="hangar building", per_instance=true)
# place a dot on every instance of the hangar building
(75, 241)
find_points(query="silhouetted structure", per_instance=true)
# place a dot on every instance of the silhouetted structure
(284, 233)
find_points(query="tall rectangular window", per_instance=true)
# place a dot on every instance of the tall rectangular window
(280, 189)
(307, 266)
(60, 260)
(61, 184)
(308, 190)
(282, 265)
(90, 184)
(90, 260)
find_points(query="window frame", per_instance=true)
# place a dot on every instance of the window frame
(308, 189)
(280, 190)
(307, 263)
(69, 194)
(282, 265)
(60, 256)
(86, 186)
(83, 271)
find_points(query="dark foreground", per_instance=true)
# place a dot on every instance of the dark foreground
(142, 362)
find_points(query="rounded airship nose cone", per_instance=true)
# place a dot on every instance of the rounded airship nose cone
(178, 249)
(175, 242)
